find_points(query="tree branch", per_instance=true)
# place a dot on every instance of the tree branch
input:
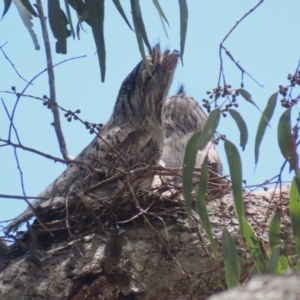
(56, 123)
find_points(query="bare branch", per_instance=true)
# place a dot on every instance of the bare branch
(56, 123)
(221, 72)
(12, 64)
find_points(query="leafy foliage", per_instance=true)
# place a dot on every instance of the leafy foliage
(92, 12)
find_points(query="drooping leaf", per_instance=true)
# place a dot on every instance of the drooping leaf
(188, 169)
(209, 129)
(235, 170)
(7, 4)
(96, 16)
(184, 14)
(120, 9)
(69, 18)
(274, 232)
(274, 260)
(242, 127)
(231, 259)
(247, 96)
(162, 16)
(263, 123)
(160, 11)
(254, 247)
(84, 17)
(294, 206)
(284, 131)
(29, 7)
(139, 36)
(139, 26)
(201, 203)
(80, 7)
(58, 26)
(26, 18)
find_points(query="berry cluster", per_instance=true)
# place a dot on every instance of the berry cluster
(223, 92)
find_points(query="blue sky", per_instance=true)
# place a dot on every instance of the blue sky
(266, 44)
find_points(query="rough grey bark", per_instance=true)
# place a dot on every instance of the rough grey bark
(160, 257)
(132, 136)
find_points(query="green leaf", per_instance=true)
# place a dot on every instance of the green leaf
(84, 17)
(121, 12)
(7, 4)
(26, 17)
(274, 232)
(57, 25)
(274, 259)
(297, 267)
(263, 123)
(183, 25)
(96, 16)
(69, 19)
(254, 247)
(162, 15)
(231, 259)
(247, 96)
(139, 23)
(294, 206)
(242, 127)
(29, 7)
(201, 203)
(283, 265)
(209, 129)
(160, 11)
(235, 169)
(139, 37)
(284, 131)
(188, 169)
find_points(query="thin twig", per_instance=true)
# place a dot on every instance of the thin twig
(56, 122)
(221, 72)
(19, 95)
(12, 64)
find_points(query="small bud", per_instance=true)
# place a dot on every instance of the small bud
(91, 131)
(69, 119)
(13, 88)
(78, 111)
(45, 97)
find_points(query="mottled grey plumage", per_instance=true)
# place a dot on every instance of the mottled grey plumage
(183, 117)
(134, 131)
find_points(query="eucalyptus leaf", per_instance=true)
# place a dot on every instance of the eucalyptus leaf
(188, 169)
(284, 132)
(241, 125)
(231, 259)
(263, 123)
(235, 170)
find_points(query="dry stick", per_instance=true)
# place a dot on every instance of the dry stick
(54, 109)
(221, 72)
(24, 193)
(12, 64)
(5, 196)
